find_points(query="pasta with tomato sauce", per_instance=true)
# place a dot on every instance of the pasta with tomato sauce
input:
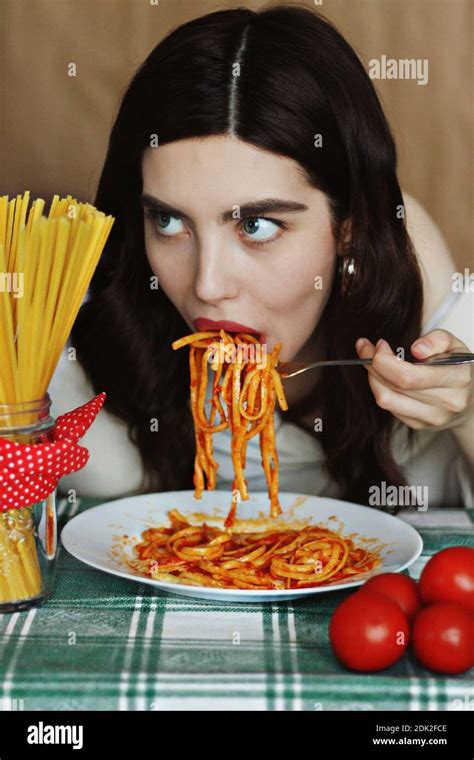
(249, 390)
(280, 558)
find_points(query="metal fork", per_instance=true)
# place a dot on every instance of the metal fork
(290, 369)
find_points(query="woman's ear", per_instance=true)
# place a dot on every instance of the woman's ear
(344, 237)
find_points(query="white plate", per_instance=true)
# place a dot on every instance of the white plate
(90, 535)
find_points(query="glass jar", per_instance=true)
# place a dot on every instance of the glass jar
(28, 535)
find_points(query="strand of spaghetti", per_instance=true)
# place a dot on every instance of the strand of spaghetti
(3, 385)
(25, 261)
(265, 455)
(225, 337)
(202, 388)
(58, 207)
(217, 355)
(238, 432)
(255, 384)
(275, 506)
(216, 401)
(198, 477)
(246, 338)
(14, 266)
(244, 444)
(17, 212)
(9, 235)
(7, 383)
(236, 367)
(198, 458)
(191, 338)
(202, 343)
(238, 454)
(54, 204)
(279, 390)
(205, 438)
(36, 211)
(9, 365)
(3, 220)
(193, 381)
(229, 520)
(225, 385)
(260, 425)
(244, 396)
(203, 463)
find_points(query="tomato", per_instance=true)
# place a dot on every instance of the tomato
(400, 588)
(449, 577)
(443, 638)
(368, 632)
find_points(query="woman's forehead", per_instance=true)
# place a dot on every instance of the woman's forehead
(221, 170)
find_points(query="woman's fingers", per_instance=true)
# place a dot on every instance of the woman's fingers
(414, 377)
(452, 399)
(402, 406)
(436, 342)
(418, 395)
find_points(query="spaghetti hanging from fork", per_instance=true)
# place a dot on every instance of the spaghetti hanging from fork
(248, 389)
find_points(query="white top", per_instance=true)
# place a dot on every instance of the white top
(114, 468)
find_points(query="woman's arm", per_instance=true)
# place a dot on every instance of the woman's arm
(434, 258)
(437, 268)
(427, 397)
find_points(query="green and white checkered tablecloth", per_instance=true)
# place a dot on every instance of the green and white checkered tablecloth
(105, 643)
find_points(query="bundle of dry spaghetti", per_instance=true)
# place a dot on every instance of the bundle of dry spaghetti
(46, 265)
(203, 555)
(246, 380)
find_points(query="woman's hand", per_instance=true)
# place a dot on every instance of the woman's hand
(421, 396)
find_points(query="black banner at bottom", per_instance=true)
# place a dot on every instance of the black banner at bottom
(376, 734)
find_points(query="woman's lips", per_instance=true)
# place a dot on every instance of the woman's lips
(201, 324)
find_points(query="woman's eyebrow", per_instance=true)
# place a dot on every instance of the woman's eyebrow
(264, 206)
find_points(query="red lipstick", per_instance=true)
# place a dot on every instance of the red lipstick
(201, 324)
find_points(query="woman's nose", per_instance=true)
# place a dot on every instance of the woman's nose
(215, 276)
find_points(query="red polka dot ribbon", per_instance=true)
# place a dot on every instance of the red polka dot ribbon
(30, 472)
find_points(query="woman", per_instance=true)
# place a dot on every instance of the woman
(252, 175)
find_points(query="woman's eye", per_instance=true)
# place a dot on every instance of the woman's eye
(257, 231)
(166, 224)
(260, 229)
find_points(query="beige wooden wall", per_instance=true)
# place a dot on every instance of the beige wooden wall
(54, 128)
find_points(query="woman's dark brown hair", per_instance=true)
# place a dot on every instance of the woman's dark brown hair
(298, 77)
